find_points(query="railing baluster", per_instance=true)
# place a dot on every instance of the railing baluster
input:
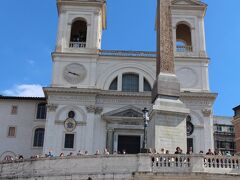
(77, 45)
(184, 49)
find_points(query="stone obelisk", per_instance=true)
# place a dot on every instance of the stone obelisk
(167, 126)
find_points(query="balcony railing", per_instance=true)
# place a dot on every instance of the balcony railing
(196, 163)
(127, 53)
(77, 45)
(184, 49)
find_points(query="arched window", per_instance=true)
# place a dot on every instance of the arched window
(114, 84)
(147, 86)
(130, 82)
(38, 137)
(184, 38)
(41, 111)
(78, 37)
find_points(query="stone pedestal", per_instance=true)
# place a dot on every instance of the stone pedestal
(167, 126)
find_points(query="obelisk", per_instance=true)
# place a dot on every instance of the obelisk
(167, 126)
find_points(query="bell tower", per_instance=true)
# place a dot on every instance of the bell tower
(80, 25)
(79, 37)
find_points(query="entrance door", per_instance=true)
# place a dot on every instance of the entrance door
(131, 144)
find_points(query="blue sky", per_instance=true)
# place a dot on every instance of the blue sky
(28, 32)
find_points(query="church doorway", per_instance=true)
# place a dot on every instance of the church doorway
(129, 144)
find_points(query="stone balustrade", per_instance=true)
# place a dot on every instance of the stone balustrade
(127, 53)
(196, 163)
(119, 165)
(184, 48)
(77, 45)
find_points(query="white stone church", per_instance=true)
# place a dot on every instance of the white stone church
(96, 96)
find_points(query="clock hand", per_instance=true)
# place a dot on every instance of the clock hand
(73, 73)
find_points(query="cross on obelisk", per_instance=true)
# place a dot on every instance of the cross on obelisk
(167, 126)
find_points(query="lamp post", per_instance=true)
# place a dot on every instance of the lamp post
(146, 119)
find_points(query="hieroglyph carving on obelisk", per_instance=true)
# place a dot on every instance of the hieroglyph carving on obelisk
(165, 54)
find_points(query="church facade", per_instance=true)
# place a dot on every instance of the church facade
(96, 97)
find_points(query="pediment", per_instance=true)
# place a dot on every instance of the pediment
(127, 111)
(188, 2)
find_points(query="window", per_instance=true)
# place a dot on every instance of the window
(147, 86)
(78, 34)
(114, 84)
(221, 145)
(69, 141)
(231, 145)
(184, 39)
(41, 111)
(219, 128)
(14, 110)
(231, 129)
(38, 137)
(130, 83)
(12, 132)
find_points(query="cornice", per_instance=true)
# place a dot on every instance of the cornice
(119, 118)
(74, 91)
(74, 54)
(141, 95)
(200, 95)
(193, 5)
(95, 54)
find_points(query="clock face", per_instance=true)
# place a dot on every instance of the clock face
(74, 73)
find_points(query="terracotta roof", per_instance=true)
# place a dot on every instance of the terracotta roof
(21, 98)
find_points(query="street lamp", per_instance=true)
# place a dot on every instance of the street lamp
(146, 119)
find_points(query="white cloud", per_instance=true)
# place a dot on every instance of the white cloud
(25, 90)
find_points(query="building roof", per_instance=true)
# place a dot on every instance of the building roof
(236, 108)
(222, 120)
(21, 98)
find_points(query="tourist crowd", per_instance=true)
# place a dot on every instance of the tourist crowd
(106, 152)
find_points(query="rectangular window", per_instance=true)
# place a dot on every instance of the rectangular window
(14, 110)
(41, 111)
(221, 144)
(231, 129)
(69, 141)
(12, 132)
(130, 83)
(219, 128)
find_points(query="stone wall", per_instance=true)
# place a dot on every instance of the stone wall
(128, 167)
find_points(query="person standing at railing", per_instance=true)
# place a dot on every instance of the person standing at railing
(178, 151)
(190, 150)
(217, 152)
(210, 152)
(162, 151)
